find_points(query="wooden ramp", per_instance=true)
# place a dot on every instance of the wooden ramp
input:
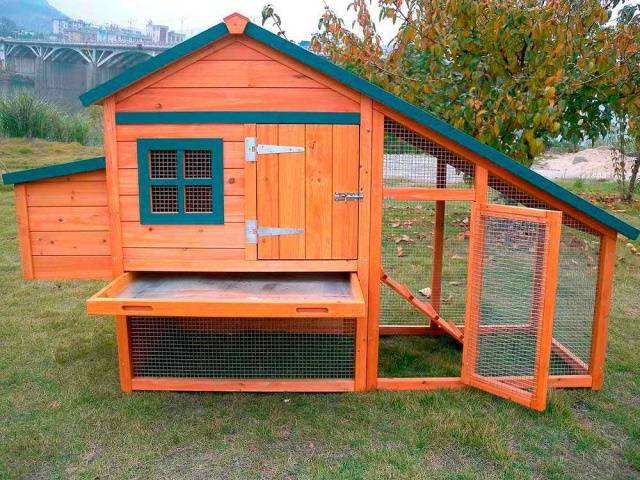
(426, 308)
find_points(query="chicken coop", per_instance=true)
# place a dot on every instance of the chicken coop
(270, 222)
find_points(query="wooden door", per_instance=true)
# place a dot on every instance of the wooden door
(512, 276)
(297, 191)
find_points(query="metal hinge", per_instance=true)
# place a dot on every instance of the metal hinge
(253, 231)
(252, 149)
(348, 196)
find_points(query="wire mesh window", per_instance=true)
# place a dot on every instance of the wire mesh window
(576, 288)
(163, 163)
(197, 198)
(411, 160)
(507, 289)
(197, 164)
(181, 181)
(164, 199)
(192, 347)
(407, 257)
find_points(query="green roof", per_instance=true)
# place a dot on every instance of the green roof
(376, 93)
(51, 171)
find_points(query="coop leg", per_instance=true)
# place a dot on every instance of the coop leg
(124, 353)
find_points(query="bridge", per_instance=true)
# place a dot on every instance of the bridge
(69, 67)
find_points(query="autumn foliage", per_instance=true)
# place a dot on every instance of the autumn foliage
(513, 73)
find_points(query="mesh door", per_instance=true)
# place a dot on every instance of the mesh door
(512, 280)
(242, 348)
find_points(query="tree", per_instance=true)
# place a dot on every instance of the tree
(513, 73)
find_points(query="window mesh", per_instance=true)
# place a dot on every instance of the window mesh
(411, 160)
(576, 289)
(164, 199)
(197, 164)
(192, 347)
(197, 198)
(508, 288)
(163, 163)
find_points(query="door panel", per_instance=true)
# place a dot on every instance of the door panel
(291, 188)
(346, 151)
(512, 276)
(296, 191)
(319, 197)
(267, 192)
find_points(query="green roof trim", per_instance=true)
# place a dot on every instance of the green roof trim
(329, 118)
(376, 93)
(52, 171)
(154, 64)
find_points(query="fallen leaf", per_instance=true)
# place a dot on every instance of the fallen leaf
(426, 292)
(456, 257)
(454, 283)
(399, 251)
(395, 224)
(448, 299)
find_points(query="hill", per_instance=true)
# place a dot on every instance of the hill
(32, 15)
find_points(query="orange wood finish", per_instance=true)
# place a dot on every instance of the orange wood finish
(344, 225)
(291, 192)
(267, 192)
(22, 218)
(375, 250)
(427, 194)
(124, 353)
(438, 383)
(236, 23)
(251, 199)
(79, 267)
(112, 171)
(250, 385)
(222, 260)
(318, 191)
(604, 290)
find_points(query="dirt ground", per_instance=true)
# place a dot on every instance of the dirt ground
(589, 164)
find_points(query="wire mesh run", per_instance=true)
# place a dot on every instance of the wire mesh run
(197, 164)
(411, 160)
(239, 348)
(407, 257)
(576, 288)
(507, 291)
(164, 199)
(197, 199)
(163, 163)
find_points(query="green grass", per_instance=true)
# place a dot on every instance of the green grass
(62, 414)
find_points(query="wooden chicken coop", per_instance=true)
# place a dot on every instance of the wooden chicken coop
(265, 217)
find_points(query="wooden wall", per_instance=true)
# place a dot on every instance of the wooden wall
(64, 227)
(233, 75)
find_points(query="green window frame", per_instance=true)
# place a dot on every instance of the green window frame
(180, 181)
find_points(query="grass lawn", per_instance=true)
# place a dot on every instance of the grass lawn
(62, 414)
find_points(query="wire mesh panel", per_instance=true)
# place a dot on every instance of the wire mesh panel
(164, 199)
(197, 198)
(197, 164)
(163, 163)
(576, 289)
(507, 341)
(407, 257)
(411, 160)
(242, 348)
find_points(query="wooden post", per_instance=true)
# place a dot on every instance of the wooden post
(364, 219)
(124, 353)
(438, 240)
(24, 236)
(375, 249)
(604, 288)
(113, 185)
(481, 184)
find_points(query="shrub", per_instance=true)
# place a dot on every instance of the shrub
(25, 115)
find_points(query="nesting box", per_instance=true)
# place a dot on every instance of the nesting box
(264, 216)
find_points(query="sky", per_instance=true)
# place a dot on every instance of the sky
(299, 17)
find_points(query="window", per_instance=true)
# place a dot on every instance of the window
(181, 181)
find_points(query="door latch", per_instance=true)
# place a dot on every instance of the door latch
(348, 196)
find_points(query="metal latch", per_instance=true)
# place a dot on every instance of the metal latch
(253, 231)
(252, 149)
(348, 196)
